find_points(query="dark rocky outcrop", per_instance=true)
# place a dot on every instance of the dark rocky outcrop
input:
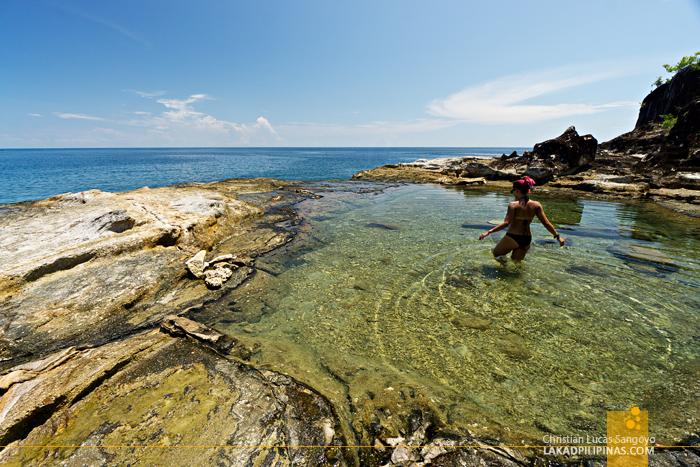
(660, 149)
(564, 155)
(670, 97)
(666, 137)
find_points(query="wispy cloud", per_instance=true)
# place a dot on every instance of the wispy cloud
(35, 115)
(96, 19)
(147, 94)
(501, 101)
(180, 104)
(371, 128)
(80, 116)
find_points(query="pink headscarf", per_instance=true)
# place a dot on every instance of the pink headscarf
(524, 184)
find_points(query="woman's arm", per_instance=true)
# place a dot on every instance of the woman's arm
(548, 225)
(501, 226)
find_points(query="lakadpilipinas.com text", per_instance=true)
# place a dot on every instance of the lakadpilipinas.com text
(598, 445)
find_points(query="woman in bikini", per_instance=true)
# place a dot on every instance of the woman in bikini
(520, 213)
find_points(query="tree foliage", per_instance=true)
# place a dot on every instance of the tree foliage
(689, 60)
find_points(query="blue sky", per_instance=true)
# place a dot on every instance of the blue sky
(167, 73)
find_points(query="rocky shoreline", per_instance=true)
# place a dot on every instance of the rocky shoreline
(103, 356)
(609, 175)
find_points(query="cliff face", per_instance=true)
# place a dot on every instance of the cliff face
(668, 98)
(670, 147)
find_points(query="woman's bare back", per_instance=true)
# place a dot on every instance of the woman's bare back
(522, 211)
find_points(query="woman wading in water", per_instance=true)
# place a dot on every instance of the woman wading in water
(520, 214)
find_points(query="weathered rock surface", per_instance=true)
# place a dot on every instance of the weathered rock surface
(196, 264)
(113, 404)
(78, 266)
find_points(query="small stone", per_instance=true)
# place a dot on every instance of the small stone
(196, 264)
(383, 225)
(469, 322)
(395, 441)
(378, 446)
(458, 280)
(178, 325)
(462, 351)
(403, 454)
(514, 349)
(215, 278)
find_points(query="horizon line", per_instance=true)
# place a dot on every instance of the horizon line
(271, 147)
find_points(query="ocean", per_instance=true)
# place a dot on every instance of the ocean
(29, 174)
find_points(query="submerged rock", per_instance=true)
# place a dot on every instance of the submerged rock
(587, 271)
(382, 225)
(644, 256)
(514, 348)
(458, 280)
(469, 322)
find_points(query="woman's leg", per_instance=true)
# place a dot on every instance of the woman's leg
(519, 253)
(505, 246)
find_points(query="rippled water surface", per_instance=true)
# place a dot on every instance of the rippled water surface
(399, 280)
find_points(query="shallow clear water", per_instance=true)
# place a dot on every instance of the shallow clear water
(610, 320)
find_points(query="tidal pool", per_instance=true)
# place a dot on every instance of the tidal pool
(384, 289)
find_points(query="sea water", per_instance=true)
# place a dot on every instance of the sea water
(391, 287)
(28, 174)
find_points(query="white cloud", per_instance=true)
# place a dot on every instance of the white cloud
(181, 122)
(181, 105)
(263, 123)
(148, 94)
(501, 101)
(80, 116)
(35, 115)
(372, 128)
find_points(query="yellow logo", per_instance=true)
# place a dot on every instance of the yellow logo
(628, 438)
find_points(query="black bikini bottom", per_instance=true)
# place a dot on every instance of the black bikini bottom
(521, 240)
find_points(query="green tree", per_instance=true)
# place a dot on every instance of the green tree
(689, 60)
